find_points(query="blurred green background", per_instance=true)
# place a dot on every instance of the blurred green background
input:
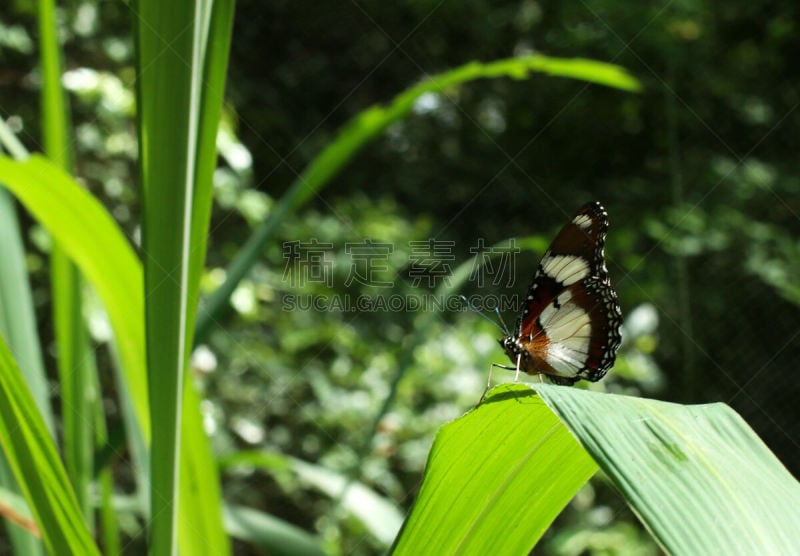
(699, 175)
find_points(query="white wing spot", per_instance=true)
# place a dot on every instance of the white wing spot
(583, 221)
(565, 269)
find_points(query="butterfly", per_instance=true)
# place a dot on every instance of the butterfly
(569, 327)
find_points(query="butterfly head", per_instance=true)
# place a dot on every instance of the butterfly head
(511, 346)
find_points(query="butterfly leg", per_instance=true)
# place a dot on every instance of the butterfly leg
(519, 360)
(489, 380)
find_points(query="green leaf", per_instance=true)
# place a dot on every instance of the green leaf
(698, 476)
(93, 241)
(75, 358)
(199, 480)
(373, 121)
(17, 322)
(37, 467)
(495, 479)
(181, 56)
(168, 94)
(18, 325)
(91, 238)
(200, 496)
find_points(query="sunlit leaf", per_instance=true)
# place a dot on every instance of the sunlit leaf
(495, 479)
(698, 476)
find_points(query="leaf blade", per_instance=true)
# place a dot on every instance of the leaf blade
(37, 467)
(697, 476)
(369, 124)
(494, 461)
(92, 239)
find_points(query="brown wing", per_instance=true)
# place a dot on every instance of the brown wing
(569, 325)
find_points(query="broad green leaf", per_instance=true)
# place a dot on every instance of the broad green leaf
(495, 479)
(698, 476)
(373, 121)
(34, 459)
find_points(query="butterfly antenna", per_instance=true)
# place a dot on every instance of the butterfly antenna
(500, 317)
(503, 329)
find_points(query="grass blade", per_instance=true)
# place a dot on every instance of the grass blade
(95, 243)
(74, 356)
(199, 480)
(169, 68)
(201, 525)
(37, 467)
(107, 518)
(179, 89)
(75, 372)
(17, 323)
(373, 121)
(91, 238)
(14, 509)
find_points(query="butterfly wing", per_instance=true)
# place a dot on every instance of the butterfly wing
(569, 326)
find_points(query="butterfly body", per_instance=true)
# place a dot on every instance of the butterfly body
(569, 327)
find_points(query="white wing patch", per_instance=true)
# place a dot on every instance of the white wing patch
(583, 221)
(565, 269)
(568, 329)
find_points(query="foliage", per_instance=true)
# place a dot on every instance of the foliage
(697, 173)
(698, 476)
